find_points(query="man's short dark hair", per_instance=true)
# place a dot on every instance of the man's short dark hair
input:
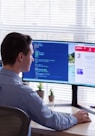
(12, 44)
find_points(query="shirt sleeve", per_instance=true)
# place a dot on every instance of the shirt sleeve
(40, 113)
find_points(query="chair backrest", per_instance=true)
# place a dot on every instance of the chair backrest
(13, 122)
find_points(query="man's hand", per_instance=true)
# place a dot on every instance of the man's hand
(82, 116)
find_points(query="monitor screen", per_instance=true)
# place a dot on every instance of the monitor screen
(0, 64)
(62, 62)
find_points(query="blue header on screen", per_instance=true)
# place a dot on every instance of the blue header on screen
(58, 62)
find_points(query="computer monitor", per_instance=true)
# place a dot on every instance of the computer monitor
(0, 64)
(62, 62)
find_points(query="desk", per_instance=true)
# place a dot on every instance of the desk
(84, 129)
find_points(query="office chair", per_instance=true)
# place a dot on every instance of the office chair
(13, 122)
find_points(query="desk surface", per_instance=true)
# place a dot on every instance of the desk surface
(84, 129)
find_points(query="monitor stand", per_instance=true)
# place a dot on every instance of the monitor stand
(74, 95)
(75, 100)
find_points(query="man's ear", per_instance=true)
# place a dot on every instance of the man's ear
(20, 57)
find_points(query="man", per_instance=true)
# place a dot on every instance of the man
(16, 53)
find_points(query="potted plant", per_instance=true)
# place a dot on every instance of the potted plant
(51, 95)
(40, 90)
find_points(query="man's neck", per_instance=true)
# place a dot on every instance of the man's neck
(11, 68)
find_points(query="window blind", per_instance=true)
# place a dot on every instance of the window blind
(64, 20)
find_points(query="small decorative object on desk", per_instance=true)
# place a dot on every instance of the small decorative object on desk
(40, 92)
(51, 95)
